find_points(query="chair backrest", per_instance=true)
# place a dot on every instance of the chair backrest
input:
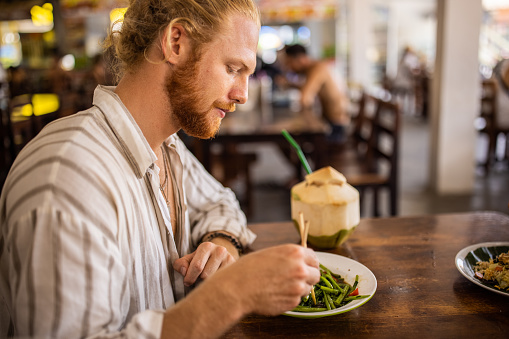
(375, 164)
(385, 137)
(383, 153)
(24, 123)
(363, 133)
(363, 124)
(358, 119)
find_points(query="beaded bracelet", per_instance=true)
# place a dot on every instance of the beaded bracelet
(235, 242)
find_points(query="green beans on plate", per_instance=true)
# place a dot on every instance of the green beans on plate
(331, 292)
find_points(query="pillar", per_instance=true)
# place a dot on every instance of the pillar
(455, 96)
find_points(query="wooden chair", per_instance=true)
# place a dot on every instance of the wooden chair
(356, 134)
(25, 127)
(348, 156)
(229, 166)
(376, 166)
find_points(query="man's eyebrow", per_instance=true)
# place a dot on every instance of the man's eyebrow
(246, 67)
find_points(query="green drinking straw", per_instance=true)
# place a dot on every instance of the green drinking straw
(292, 142)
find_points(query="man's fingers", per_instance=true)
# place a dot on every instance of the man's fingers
(311, 258)
(204, 262)
(196, 265)
(313, 275)
(181, 265)
(220, 257)
(209, 269)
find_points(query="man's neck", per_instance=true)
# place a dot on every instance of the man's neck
(142, 92)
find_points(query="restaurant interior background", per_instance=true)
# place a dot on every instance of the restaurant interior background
(51, 61)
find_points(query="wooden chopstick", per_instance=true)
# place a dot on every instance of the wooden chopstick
(304, 230)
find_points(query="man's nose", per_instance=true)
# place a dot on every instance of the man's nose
(239, 92)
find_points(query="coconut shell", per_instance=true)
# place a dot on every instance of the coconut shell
(329, 203)
(325, 186)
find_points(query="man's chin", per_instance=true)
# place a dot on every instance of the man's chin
(204, 135)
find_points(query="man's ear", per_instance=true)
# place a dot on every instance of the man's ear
(175, 43)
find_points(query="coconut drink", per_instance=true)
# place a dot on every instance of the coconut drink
(329, 204)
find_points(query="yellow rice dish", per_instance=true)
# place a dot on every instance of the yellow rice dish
(494, 271)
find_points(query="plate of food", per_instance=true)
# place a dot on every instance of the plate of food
(487, 265)
(345, 284)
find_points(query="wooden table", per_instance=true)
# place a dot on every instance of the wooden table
(420, 292)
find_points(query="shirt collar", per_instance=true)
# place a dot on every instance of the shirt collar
(133, 142)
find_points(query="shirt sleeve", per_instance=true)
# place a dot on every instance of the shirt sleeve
(211, 206)
(64, 278)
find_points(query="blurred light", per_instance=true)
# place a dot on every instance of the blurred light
(23, 110)
(42, 16)
(486, 71)
(116, 17)
(93, 44)
(479, 123)
(269, 41)
(269, 57)
(10, 38)
(286, 34)
(10, 55)
(269, 38)
(49, 37)
(10, 45)
(68, 62)
(45, 103)
(303, 33)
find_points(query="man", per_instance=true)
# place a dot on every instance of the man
(319, 83)
(406, 80)
(498, 118)
(106, 218)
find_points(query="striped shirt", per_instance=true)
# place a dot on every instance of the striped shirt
(86, 244)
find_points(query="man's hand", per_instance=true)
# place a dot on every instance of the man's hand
(268, 281)
(205, 261)
(273, 280)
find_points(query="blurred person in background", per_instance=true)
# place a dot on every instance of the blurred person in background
(318, 83)
(406, 80)
(108, 221)
(18, 81)
(500, 78)
(59, 79)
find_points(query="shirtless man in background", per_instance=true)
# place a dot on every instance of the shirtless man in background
(319, 83)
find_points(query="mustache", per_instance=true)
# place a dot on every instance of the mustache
(229, 107)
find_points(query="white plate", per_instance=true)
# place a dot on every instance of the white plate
(483, 252)
(348, 269)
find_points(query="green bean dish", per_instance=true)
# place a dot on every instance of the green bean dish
(331, 292)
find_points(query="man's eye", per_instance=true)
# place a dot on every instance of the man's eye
(231, 69)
